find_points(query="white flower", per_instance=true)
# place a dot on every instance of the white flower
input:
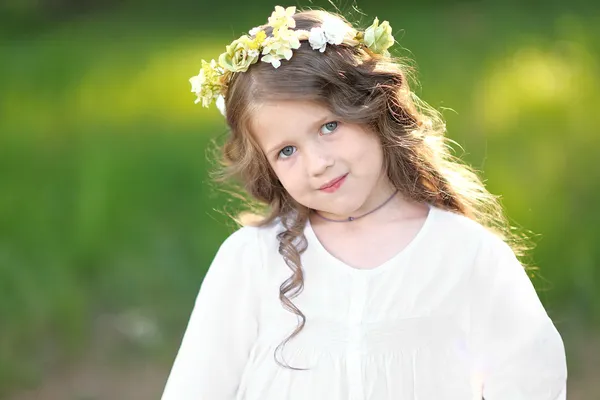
(220, 103)
(254, 31)
(197, 82)
(317, 39)
(274, 59)
(332, 31)
(206, 84)
(335, 30)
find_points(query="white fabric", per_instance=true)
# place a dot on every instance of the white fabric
(453, 316)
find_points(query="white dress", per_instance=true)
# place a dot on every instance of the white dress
(453, 316)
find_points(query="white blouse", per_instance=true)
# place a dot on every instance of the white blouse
(453, 316)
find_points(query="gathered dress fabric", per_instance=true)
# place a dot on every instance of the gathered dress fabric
(453, 316)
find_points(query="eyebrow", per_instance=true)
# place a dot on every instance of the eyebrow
(313, 125)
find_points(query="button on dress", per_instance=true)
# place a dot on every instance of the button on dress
(453, 316)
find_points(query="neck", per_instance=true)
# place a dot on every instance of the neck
(398, 209)
(354, 218)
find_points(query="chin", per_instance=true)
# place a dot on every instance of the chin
(345, 210)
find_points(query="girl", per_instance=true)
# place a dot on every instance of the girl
(404, 279)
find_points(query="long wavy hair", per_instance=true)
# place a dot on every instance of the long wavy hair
(360, 87)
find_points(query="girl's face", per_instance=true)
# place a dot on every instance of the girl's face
(324, 164)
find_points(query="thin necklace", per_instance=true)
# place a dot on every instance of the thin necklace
(349, 219)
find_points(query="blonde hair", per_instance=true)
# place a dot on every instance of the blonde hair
(364, 88)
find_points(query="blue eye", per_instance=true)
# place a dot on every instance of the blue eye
(328, 128)
(287, 151)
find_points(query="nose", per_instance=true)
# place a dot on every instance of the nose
(318, 161)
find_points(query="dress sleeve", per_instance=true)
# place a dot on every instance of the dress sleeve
(223, 325)
(519, 354)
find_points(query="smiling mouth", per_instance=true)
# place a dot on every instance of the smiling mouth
(333, 183)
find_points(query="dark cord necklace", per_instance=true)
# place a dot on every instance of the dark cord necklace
(349, 219)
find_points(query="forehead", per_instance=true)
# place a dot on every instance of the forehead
(286, 117)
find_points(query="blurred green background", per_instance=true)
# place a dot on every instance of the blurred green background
(108, 219)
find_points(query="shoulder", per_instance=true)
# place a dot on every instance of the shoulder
(458, 232)
(252, 241)
(487, 258)
(243, 237)
(238, 257)
(453, 225)
(240, 248)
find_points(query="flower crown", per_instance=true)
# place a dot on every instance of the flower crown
(211, 83)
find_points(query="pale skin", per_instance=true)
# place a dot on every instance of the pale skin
(307, 147)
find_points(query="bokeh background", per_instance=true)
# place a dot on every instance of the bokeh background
(108, 219)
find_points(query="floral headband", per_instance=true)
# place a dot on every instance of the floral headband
(211, 83)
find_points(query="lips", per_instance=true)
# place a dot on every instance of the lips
(333, 182)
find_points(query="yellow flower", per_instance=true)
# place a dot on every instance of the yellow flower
(280, 46)
(282, 17)
(207, 84)
(379, 38)
(239, 55)
(258, 41)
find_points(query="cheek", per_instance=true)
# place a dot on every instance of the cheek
(289, 175)
(366, 153)
(294, 181)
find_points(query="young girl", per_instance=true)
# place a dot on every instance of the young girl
(383, 268)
